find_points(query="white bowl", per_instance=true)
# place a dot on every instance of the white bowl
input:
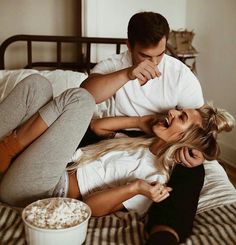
(74, 235)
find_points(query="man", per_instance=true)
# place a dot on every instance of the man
(144, 80)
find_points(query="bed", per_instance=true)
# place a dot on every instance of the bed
(215, 221)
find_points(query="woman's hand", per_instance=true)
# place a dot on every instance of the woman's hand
(156, 191)
(146, 123)
(107, 126)
(189, 157)
(102, 127)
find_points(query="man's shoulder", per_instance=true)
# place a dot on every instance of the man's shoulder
(123, 58)
(113, 63)
(174, 66)
(172, 62)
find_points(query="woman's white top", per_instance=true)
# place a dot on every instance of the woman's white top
(118, 168)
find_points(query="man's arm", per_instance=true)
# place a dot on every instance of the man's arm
(103, 86)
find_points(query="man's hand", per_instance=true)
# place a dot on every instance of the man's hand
(144, 71)
(189, 157)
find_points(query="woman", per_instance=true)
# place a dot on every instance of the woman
(47, 140)
(150, 159)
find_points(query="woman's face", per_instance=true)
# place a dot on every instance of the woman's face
(176, 123)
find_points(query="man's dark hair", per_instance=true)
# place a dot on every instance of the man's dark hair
(147, 28)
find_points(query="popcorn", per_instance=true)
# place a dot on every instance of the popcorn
(56, 213)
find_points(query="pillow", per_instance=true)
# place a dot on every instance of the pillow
(9, 79)
(217, 189)
(60, 79)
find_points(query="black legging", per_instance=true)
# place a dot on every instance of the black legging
(179, 209)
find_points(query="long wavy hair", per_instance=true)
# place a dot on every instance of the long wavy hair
(202, 138)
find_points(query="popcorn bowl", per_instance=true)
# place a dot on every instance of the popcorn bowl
(44, 223)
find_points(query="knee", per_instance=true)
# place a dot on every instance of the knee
(80, 98)
(87, 98)
(39, 84)
(86, 102)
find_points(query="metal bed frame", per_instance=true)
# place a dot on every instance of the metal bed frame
(83, 62)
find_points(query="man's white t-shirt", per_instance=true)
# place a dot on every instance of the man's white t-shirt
(118, 168)
(177, 86)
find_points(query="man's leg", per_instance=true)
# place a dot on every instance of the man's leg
(175, 215)
(36, 171)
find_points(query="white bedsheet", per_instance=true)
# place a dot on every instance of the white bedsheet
(217, 188)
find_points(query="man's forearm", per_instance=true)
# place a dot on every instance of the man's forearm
(103, 87)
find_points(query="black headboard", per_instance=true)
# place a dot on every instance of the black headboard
(83, 63)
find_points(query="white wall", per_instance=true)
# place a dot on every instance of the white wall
(106, 18)
(214, 22)
(109, 18)
(44, 17)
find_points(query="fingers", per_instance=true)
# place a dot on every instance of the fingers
(177, 157)
(163, 197)
(189, 158)
(145, 71)
(146, 123)
(160, 192)
(184, 154)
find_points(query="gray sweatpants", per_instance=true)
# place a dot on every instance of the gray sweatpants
(36, 171)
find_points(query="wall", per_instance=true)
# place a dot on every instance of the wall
(44, 17)
(214, 23)
(106, 18)
(99, 13)
(60, 17)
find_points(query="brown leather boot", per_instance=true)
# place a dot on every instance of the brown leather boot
(9, 148)
(20, 138)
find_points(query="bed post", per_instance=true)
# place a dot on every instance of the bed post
(80, 9)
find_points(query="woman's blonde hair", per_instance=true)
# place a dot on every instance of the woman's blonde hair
(202, 138)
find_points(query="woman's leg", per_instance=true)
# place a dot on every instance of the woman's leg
(25, 99)
(36, 171)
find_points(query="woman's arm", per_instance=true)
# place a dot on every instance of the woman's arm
(108, 125)
(110, 200)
